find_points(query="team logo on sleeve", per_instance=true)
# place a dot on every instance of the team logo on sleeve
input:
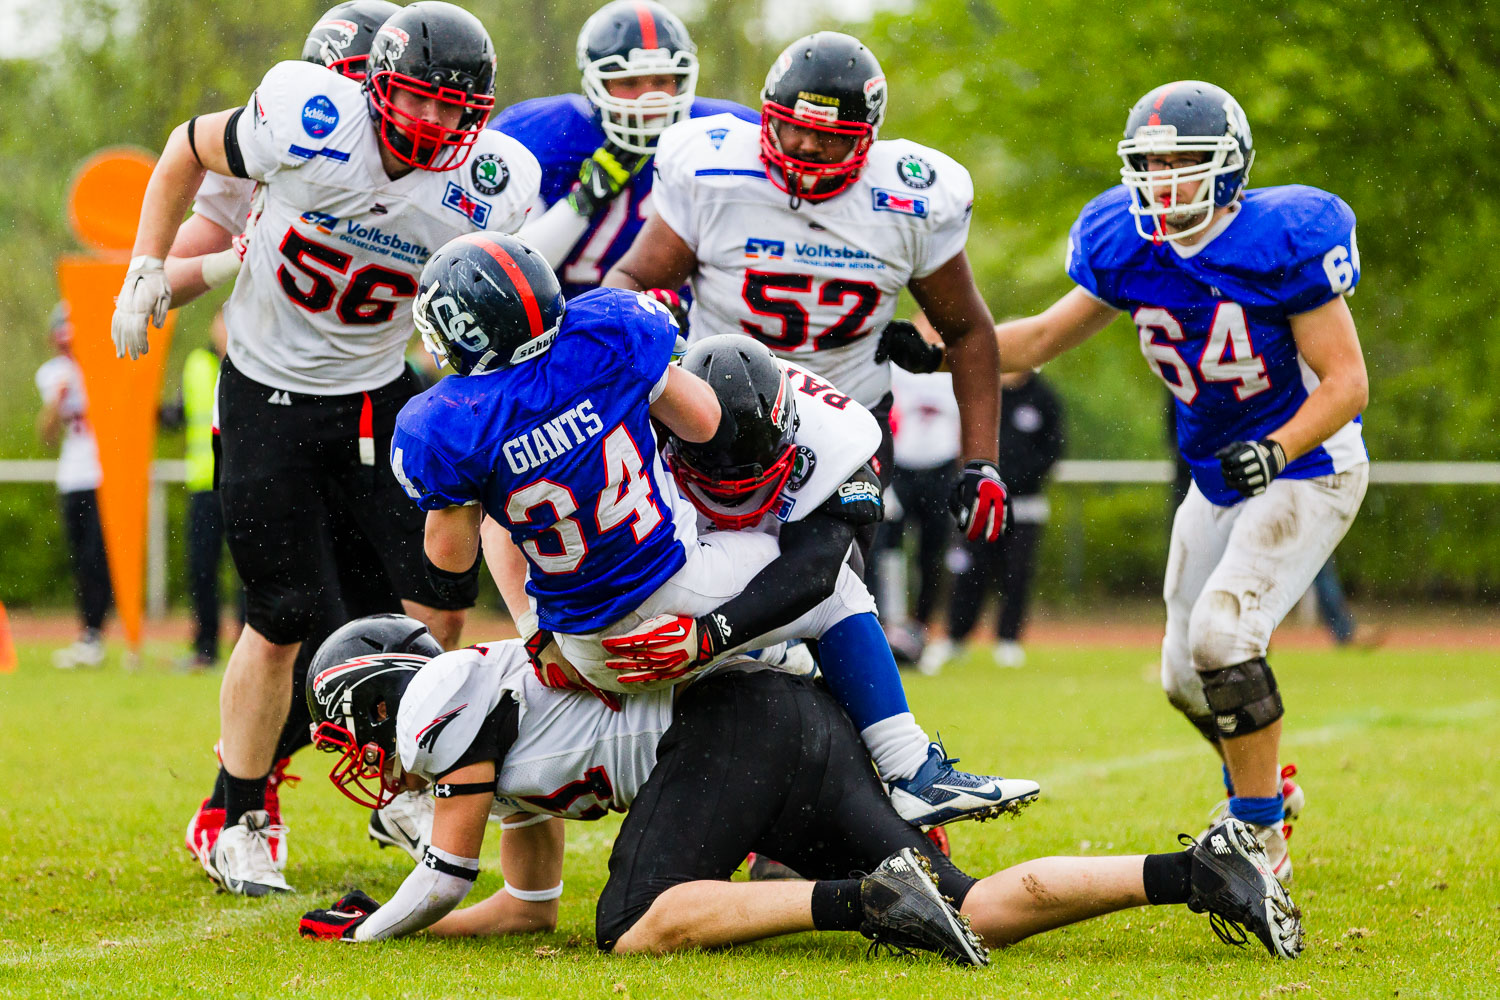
(717, 136)
(802, 467)
(902, 204)
(319, 117)
(490, 174)
(461, 202)
(915, 172)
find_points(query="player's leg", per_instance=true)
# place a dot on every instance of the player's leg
(1276, 547)
(1019, 558)
(1200, 533)
(205, 540)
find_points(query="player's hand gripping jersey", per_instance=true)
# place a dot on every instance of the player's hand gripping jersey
(1214, 317)
(816, 283)
(560, 450)
(323, 304)
(562, 754)
(563, 131)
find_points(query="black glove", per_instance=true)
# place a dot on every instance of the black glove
(602, 177)
(980, 501)
(900, 342)
(337, 923)
(1249, 466)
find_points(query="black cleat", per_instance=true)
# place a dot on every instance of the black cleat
(1232, 882)
(903, 910)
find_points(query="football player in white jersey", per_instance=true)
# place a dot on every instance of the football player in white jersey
(361, 183)
(802, 232)
(746, 759)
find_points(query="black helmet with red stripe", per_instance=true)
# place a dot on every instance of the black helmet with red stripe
(354, 688)
(628, 39)
(737, 475)
(342, 37)
(487, 301)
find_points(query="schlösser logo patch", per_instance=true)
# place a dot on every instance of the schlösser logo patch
(490, 174)
(319, 117)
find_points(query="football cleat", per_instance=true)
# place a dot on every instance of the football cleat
(241, 861)
(202, 830)
(1273, 838)
(1232, 882)
(938, 794)
(406, 822)
(85, 653)
(903, 910)
(274, 781)
(935, 657)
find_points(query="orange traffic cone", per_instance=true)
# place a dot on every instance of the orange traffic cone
(7, 644)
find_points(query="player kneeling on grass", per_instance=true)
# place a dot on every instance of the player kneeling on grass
(743, 759)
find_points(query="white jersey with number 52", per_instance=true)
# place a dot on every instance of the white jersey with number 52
(817, 283)
(323, 303)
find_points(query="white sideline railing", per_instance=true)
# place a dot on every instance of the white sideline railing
(169, 471)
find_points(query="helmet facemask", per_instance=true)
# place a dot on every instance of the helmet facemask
(424, 144)
(635, 123)
(733, 498)
(1220, 177)
(365, 774)
(811, 180)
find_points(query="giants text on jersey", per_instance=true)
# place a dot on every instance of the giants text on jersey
(1214, 317)
(816, 283)
(323, 303)
(560, 450)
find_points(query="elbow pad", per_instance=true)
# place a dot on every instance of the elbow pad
(458, 589)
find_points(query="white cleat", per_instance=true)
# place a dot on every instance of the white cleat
(939, 794)
(242, 860)
(1272, 838)
(935, 657)
(406, 822)
(83, 654)
(1008, 654)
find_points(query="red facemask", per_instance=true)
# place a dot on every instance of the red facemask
(702, 490)
(423, 144)
(807, 179)
(360, 771)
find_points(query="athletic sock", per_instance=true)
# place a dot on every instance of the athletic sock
(860, 671)
(1268, 811)
(216, 800)
(897, 745)
(242, 795)
(836, 905)
(1228, 782)
(1168, 878)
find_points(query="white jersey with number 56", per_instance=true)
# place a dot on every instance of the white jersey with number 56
(817, 283)
(323, 303)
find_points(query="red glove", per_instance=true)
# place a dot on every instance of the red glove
(665, 648)
(672, 301)
(554, 670)
(980, 501)
(337, 923)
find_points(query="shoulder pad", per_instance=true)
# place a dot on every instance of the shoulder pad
(913, 169)
(835, 437)
(447, 702)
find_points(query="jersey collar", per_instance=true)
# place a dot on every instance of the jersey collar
(1211, 234)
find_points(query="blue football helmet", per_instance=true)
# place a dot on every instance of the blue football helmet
(487, 301)
(1185, 117)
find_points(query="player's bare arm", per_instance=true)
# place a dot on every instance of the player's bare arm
(687, 406)
(952, 303)
(452, 537)
(196, 261)
(1032, 341)
(531, 861)
(176, 177)
(1328, 343)
(657, 259)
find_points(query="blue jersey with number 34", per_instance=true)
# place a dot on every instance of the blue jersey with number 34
(1214, 318)
(559, 449)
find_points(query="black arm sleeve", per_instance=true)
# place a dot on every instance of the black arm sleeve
(458, 589)
(812, 552)
(232, 153)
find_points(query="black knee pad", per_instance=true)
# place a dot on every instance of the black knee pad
(1243, 697)
(1205, 726)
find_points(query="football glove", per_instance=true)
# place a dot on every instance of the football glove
(903, 344)
(666, 648)
(554, 671)
(602, 177)
(980, 501)
(672, 301)
(144, 298)
(1249, 466)
(337, 923)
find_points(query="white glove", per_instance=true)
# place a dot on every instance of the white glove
(145, 297)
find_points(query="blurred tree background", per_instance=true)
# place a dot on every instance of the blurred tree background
(1394, 106)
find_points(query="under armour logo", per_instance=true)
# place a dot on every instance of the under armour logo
(280, 398)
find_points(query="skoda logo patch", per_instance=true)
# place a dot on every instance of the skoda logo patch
(490, 174)
(915, 172)
(802, 467)
(319, 117)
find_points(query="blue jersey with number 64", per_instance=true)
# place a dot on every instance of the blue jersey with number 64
(1214, 318)
(559, 449)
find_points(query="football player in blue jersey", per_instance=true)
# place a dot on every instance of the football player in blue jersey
(640, 73)
(550, 434)
(1238, 297)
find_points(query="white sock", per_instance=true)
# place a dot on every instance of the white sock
(898, 746)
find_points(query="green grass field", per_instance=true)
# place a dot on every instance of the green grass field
(1397, 854)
